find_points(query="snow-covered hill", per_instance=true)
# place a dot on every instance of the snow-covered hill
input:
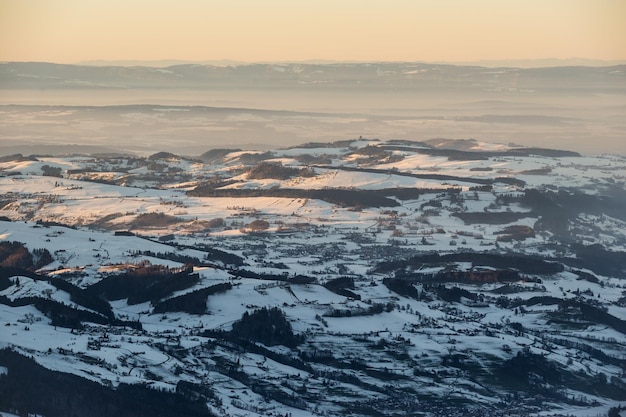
(365, 277)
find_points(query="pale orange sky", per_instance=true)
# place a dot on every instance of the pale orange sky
(68, 31)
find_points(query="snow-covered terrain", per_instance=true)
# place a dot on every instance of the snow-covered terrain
(399, 278)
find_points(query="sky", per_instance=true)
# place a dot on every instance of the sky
(71, 31)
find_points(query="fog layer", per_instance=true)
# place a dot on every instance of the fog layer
(189, 109)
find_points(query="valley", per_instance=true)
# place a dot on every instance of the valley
(360, 277)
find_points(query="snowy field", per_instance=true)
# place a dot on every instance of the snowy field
(366, 345)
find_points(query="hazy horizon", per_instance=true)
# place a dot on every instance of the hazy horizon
(190, 110)
(487, 63)
(583, 114)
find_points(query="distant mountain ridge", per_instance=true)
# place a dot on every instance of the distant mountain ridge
(518, 63)
(385, 76)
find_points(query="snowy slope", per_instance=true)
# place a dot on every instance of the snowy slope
(379, 329)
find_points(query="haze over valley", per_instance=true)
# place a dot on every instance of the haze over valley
(189, 108)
